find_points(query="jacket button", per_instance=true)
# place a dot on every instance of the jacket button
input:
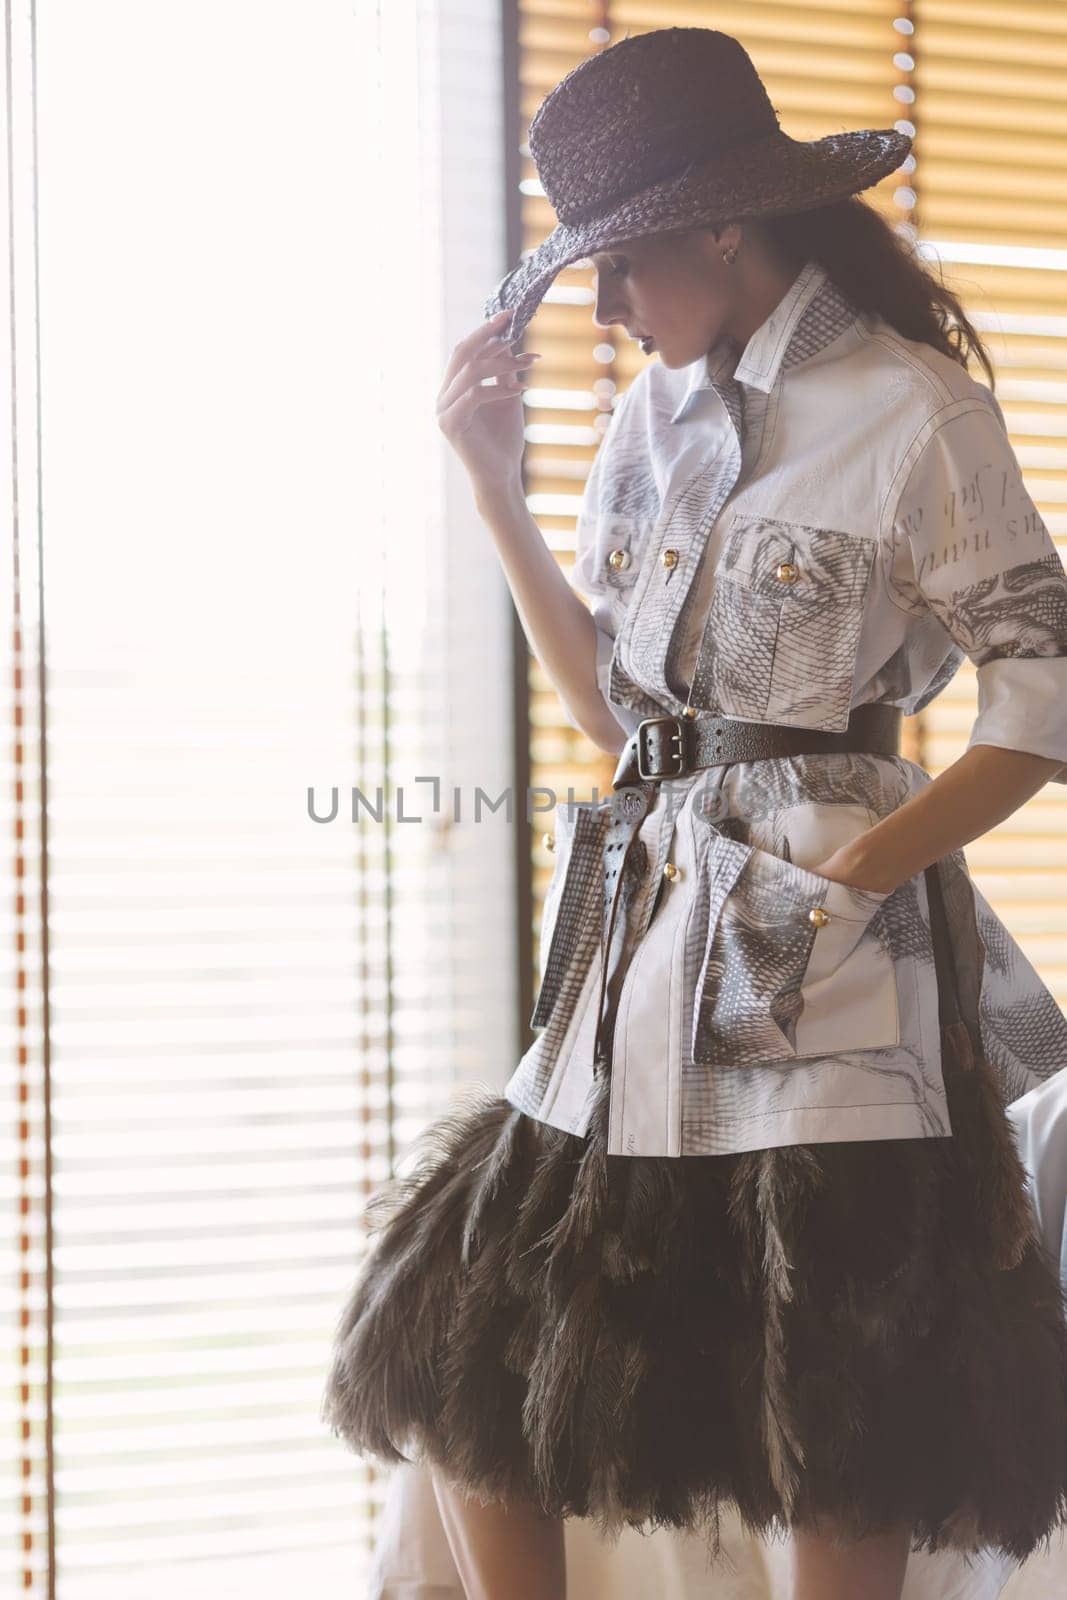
(619, 559)
(671, 871)
(669, 558)
(819, 915)
(548, 840)
(787, 571)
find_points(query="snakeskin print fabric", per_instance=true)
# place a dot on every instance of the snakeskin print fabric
(832, 516)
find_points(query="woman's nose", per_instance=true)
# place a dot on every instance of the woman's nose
(603, 318)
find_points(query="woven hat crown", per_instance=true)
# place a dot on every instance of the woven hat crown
(640, 112)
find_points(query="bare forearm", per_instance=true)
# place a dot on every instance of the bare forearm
(974, 794)
(559, 628)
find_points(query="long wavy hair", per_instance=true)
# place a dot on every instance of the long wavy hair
(875, 265)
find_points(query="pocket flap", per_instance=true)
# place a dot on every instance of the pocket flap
(832, 565)
(752, 554)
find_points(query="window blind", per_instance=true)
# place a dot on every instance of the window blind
(982, 191)
(991, 149)
(243, 588)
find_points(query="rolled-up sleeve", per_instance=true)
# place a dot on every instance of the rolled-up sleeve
(973, 549)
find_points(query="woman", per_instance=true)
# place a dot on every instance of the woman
(748, 1223)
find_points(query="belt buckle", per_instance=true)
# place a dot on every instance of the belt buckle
(677, 739)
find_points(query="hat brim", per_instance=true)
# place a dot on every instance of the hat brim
(768, 177)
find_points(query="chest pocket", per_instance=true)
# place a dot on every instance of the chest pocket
(776, 983)
(783, 627)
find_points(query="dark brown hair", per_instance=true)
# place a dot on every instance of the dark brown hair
(875, 265)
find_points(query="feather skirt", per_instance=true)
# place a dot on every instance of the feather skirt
(869, 1331)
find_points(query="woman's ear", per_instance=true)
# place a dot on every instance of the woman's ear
(727, 233)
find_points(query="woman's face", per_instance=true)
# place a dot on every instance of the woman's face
(674, 287)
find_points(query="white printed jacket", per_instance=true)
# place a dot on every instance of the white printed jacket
(833, 517)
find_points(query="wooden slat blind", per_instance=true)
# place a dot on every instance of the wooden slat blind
(991, 151)
(982, 89)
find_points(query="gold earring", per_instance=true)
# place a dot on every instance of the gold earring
(730, 255)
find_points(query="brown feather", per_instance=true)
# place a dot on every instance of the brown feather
(870, 1331)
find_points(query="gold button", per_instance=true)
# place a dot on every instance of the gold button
(787, 571)
(671, 871)
(819, 915)
(669, 558)
(548, 840)
(690, 711)
(619, 559)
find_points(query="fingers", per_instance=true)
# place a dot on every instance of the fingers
(462, 412)
(479, 341)
(482, 354)
(500, 364)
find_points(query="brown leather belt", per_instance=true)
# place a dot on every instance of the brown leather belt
(671, 746)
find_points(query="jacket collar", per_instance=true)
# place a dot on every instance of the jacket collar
(794, 317)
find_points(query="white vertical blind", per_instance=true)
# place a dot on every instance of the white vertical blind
(256, 559)
(25, 1411)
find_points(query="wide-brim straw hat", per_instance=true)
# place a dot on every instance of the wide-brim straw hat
(667, 130)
